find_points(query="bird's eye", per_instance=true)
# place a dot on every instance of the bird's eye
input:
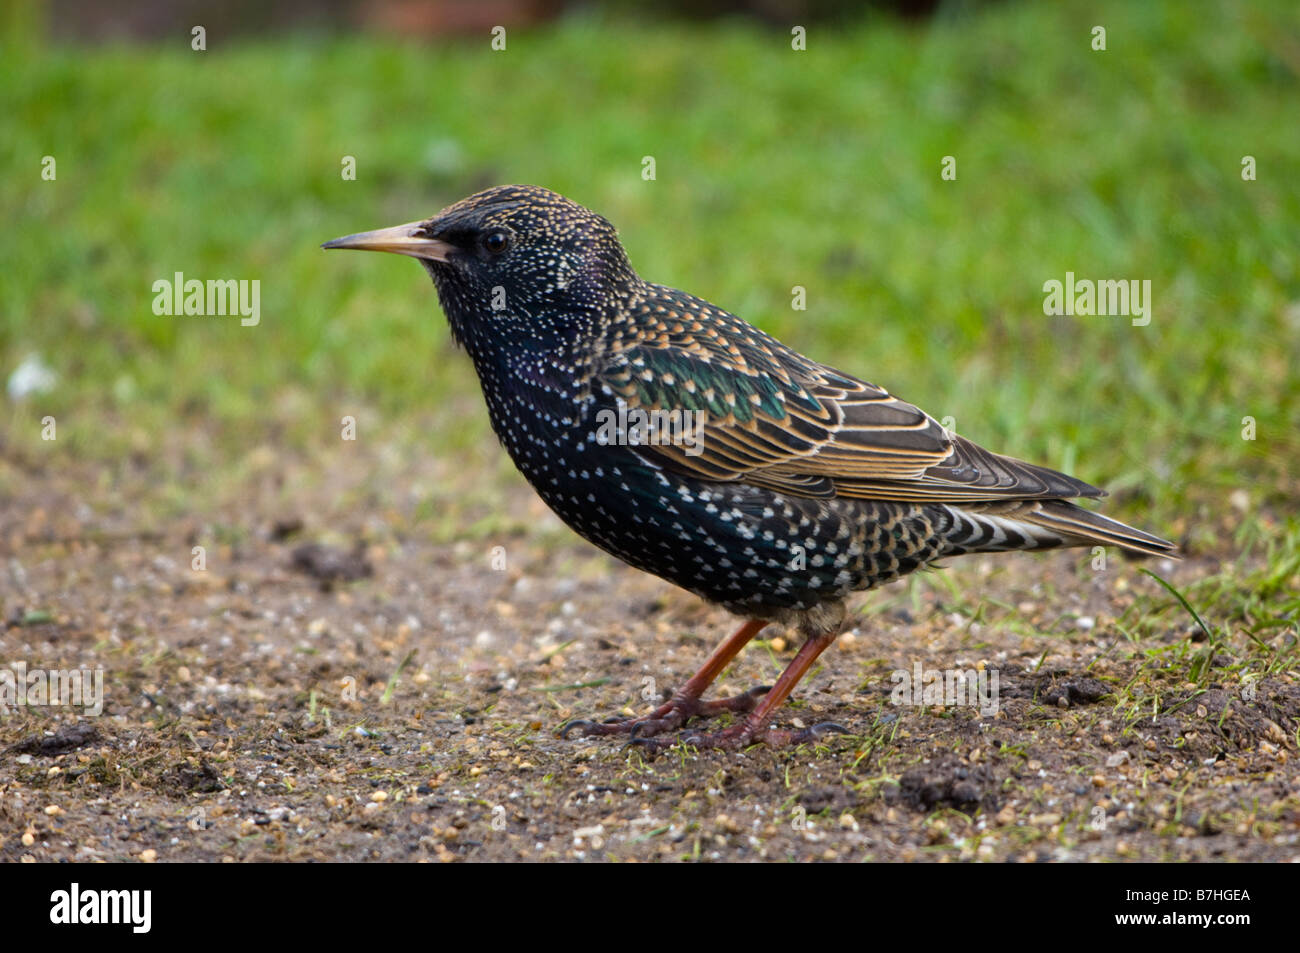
(496, 242)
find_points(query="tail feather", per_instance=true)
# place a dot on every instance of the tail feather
(1080, 527)
(1043, 524)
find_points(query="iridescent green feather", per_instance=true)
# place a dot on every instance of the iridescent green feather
(660, 378)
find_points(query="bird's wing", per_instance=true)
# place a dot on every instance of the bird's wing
(773, 418)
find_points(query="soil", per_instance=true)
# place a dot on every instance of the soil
(360, 668)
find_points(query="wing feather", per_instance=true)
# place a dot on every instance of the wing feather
(776, 419)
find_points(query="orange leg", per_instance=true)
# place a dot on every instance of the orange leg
(754, 728)
(686, 702)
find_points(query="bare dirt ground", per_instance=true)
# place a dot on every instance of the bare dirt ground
(266, 707)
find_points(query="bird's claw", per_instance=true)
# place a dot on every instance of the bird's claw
(823, 729)
(584, 723)
(650, 744)
(673, 714)
(649, 733)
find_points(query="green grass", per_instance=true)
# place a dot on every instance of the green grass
(775, 169)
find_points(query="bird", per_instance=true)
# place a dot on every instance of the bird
(692, 445)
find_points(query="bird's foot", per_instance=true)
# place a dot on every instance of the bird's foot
(668, 717)
(741, 736)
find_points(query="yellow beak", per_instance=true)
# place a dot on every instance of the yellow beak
(408, 239)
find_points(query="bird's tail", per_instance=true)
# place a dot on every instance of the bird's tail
(1043, 524)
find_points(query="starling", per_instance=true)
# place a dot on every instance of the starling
(691, 445)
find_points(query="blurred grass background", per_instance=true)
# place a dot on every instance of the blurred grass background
(775, 168)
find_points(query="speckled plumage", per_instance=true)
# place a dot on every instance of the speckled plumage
(805, 484)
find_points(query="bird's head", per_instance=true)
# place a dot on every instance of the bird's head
(515, 264)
